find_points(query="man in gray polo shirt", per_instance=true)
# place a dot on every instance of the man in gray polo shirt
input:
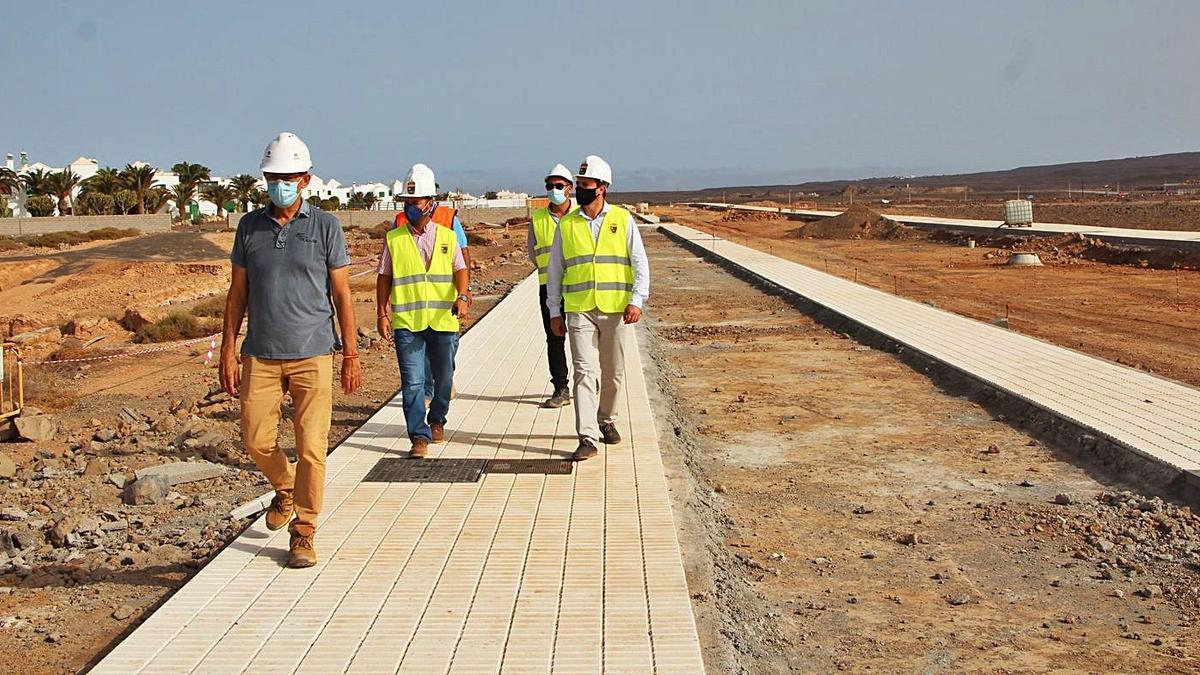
(290, 272)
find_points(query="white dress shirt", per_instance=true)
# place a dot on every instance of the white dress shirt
(637, 255)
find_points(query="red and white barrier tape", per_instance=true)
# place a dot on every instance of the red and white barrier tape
(124, 355)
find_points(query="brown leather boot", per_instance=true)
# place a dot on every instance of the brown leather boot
(420, 448)
(586, 450)
(304, 553)
(279, 513)
(439, 432)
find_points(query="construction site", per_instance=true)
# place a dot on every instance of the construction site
(848, 490)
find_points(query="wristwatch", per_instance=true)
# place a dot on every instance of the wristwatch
(464, 297)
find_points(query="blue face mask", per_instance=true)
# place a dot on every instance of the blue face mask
(283, 193)
(557, 197)
(413, 213)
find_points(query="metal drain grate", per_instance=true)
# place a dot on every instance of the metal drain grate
(542, 466)
(405, 470)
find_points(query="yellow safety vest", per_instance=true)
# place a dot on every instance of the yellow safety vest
(543, 238)
(597, 273)
(422, 298)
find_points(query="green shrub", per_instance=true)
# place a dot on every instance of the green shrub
(40, 206)
(175, 326)
(96, 204)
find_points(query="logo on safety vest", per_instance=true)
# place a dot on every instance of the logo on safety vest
(445, 248)
(612, 228)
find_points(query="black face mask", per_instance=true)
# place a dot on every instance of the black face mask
(584, 195)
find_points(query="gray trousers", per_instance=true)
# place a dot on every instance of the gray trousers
(598, 359)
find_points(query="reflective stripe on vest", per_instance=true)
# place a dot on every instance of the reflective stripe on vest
(422, 299)
(543, 240)
(597, 273)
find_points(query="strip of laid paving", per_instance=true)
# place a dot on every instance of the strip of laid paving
(520, 573)
(1157, 418)
(1116, 235)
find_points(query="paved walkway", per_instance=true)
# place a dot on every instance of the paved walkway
(1157, 418)
(1116, 235)
(516, 573)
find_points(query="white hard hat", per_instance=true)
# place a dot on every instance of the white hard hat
(286, 154)
(560, 171)
(595, 167)
(419, 183)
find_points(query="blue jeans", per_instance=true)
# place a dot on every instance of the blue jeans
(412, 350)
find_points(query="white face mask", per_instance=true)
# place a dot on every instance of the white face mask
(557, 196)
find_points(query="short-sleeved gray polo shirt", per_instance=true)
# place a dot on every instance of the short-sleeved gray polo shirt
(290, 304)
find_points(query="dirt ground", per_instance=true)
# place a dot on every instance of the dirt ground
(840, 512)
(1141, 317)
(1173, 213)
(63, 603)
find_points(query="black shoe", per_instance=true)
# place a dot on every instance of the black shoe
(608, 432)
(585, 450)
(560, 398)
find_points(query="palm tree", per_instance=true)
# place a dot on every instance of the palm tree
(192, 174)
(244, 186)
(218, 194)
(260, 197)
(10, 182)
(61, 184)
(156, 199)
(139, 179)
(106, 181)
(36, 182)
(182, 194)
(363, 200)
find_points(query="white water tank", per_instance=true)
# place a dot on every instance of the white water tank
(1018, 213)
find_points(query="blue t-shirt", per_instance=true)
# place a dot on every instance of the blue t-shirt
(290, 304)
(460, 233)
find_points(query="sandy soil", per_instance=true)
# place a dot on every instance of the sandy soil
(839, 512)
(75, 601)
(1124, 313)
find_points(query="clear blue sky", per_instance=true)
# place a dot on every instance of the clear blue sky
(674, 95)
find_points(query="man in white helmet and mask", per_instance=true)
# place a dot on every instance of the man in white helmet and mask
(600, 274)
(542, 226)
(291, 277)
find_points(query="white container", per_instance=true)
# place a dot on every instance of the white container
(1018, 212)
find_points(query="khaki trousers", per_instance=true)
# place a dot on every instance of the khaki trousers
(598, 359)
(310, 382)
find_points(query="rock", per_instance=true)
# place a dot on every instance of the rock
(957, 600)
(12, 513)
(21, 338)
(134, 320)
(1117, 593)
(911, 539)
(1025, 483)
(53, 638)
(36, 428)
(123, 612)
(863, 509)
(96, 467)
(104, 435)
(1151, 591)
(1064, 499)
(148, 490)
(870, 555)
(62, 530)
(8, 468)
(720, 489)
(117, 479)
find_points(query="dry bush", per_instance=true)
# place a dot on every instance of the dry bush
(380, 231)
(10, 244)
(212, 308)
(172, 327)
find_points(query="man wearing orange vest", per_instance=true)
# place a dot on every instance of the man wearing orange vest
(442, 216)
(542, 226)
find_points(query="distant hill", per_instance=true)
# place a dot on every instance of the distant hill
(1132, 173)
